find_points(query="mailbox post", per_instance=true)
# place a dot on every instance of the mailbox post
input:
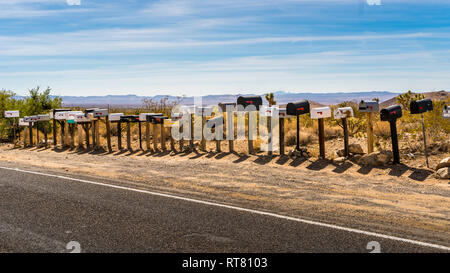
(320, 114)
(245, 101)
(203, 112)
(269, 112)
(42, 118)
(13, 115)
(283, 115)
(59, 116)
(296, 109)
(391, 114)
(369, 107)
(159, 120)
(130, 119)
(343, 113)
(420, 107)
(169, 123)
(230, 121)
(189, 111)
(115, 118)
(216, 123)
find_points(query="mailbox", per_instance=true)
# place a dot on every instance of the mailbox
(30, 119)
(282, 112)
(224, 105)
(320, 112)
(203, 111)
(187, 109)
(298, 108)
(343, 112)
(129, 118)
(267, 111)
(115, 116)
(148, 116)
(43, 117)
(11, 114)
(171, 123)
(23, 123)
(391, 113)
(100, 113)
(158, 119)
(369, 106)
(177, 116)
(60, 115)
(81, 118)
(446, 112)
(421, 106)
(249, 100)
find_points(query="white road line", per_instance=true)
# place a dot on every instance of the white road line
(353, 230)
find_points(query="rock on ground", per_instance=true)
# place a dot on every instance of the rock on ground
(376, 158)
(444, 163)
(443, 173)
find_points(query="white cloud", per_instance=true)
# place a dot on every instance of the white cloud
(73, 2)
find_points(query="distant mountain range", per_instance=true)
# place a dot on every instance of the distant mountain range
(281, 97)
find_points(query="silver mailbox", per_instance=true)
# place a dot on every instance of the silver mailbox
(369, 107)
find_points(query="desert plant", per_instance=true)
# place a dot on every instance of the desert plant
(406, 98)
(270, 99)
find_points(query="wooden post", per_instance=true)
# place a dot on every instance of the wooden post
(72, 135)
(269, 134)
(346, 149)
(154, 133)
(321, 137)
(14, 131)
(181, 129)
(425, 141)
(128, 136)
(80, 136)
(37, 134)
(54, 132)
(140, 136)
(45, 135)
(191, 141)
(172, 142)
(147, 135)
(62, 127)
(369, 133)
(94, 134)
(108, 134)
(250, 142)
(281, 126)
(30, 125)
(25, 136)
(86, 133)
(203, 141)
(66, 135)
(163, 137)
(119, 135)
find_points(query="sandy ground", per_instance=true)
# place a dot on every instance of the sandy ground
(389, 199)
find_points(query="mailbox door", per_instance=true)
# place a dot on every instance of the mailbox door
(298, 108)
(321, 112)
(343, 112)
(421, 106)
(391, 113)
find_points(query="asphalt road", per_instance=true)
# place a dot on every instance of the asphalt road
(44, 213)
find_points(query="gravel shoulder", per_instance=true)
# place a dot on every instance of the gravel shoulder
(396, 200)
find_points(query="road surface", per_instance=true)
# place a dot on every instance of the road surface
(43, 213)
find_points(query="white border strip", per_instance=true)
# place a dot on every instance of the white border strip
(353, 230)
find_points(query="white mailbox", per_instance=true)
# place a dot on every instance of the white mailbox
(43, 117)
(187, 110)
(203, 111)
(115, 116)
(100, 113)
(177, 116)
(267, 111)
(30, 119)
(321, 112)
(80, 118)
(60, 115)
(22, 122)
(446, 112)
(343, 112)
(143, 116)
(11, 114)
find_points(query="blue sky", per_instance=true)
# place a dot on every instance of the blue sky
(183, 47)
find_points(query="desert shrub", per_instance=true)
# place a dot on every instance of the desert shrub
(307, 136)
(162, 106)
(356, 125)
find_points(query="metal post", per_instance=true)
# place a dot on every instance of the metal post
(346, 149)
(394, 139)
(108, 134)
(62, 125)
(155, 143)
(203, 141)
(425, 141)
(140, 136)
(269, 134)
(147, 134)
(94, 143)
(321, 137)
(191, 141)
(37, 134)
(45, 135)
(30, 126)
(281, 136)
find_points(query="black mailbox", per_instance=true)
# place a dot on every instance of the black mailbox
(60, 110)
(250, 100)
(158, 119)
(153, 116)
(421, 106)
(391, 113)
(129, 118)
(297, 108)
